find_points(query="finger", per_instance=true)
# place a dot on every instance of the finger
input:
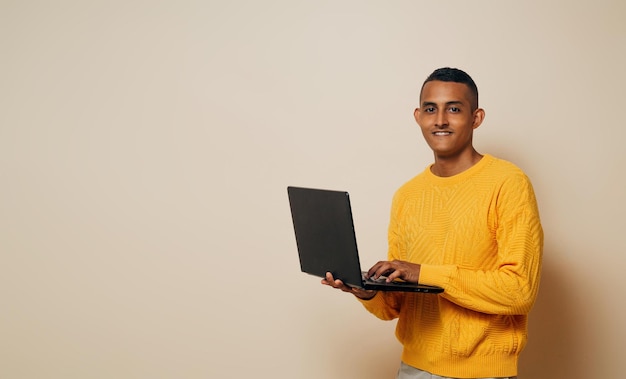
(328, 280)
(385, 269)
(396, 274)
(374, 271)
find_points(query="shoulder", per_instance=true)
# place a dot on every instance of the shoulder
(511, 184)
(413, 185)
(503, 170)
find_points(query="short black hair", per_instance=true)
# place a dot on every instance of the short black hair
(447, 74)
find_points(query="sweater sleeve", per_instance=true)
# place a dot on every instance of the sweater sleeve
(511, 288)
(385, 305)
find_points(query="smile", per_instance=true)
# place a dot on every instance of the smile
(442, 133)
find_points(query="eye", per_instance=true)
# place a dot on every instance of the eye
(455, 109)
(429, 109)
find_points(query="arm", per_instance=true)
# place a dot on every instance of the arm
(510, 285)
(373, 301)
(361, 294)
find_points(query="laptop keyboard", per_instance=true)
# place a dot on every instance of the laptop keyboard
(381, 279)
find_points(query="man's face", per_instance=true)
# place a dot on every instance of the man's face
(446, 118)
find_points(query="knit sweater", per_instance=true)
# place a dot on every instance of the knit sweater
(478, 235)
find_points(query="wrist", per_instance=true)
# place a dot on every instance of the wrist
(366, 296)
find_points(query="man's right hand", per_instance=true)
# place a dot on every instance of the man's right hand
(358, 292)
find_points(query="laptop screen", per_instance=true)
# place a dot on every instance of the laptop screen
(325, 235)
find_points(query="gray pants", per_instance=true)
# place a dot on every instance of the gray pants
(409, 372)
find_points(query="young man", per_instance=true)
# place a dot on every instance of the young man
(468, 223)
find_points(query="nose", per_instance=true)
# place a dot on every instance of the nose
(442, 120)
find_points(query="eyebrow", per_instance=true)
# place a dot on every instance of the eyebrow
(430, 103)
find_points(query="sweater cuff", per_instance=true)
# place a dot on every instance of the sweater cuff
(377, 301)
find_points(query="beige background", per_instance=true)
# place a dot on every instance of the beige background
(146, 146)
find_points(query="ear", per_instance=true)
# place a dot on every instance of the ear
(479, 116)
(416, 114)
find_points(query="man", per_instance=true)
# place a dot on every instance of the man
(468, 223)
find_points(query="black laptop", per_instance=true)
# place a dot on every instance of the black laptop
(326, 240)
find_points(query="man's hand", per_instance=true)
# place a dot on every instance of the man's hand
(336, 283)
(409, 272)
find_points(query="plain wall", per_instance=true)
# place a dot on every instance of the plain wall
(146, 147)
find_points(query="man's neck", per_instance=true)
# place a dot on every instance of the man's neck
(445, 167)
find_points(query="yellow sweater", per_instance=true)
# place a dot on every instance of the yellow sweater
(478, 235)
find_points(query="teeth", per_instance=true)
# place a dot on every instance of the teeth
(441, 133)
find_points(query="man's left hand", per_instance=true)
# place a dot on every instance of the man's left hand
(409, 272)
